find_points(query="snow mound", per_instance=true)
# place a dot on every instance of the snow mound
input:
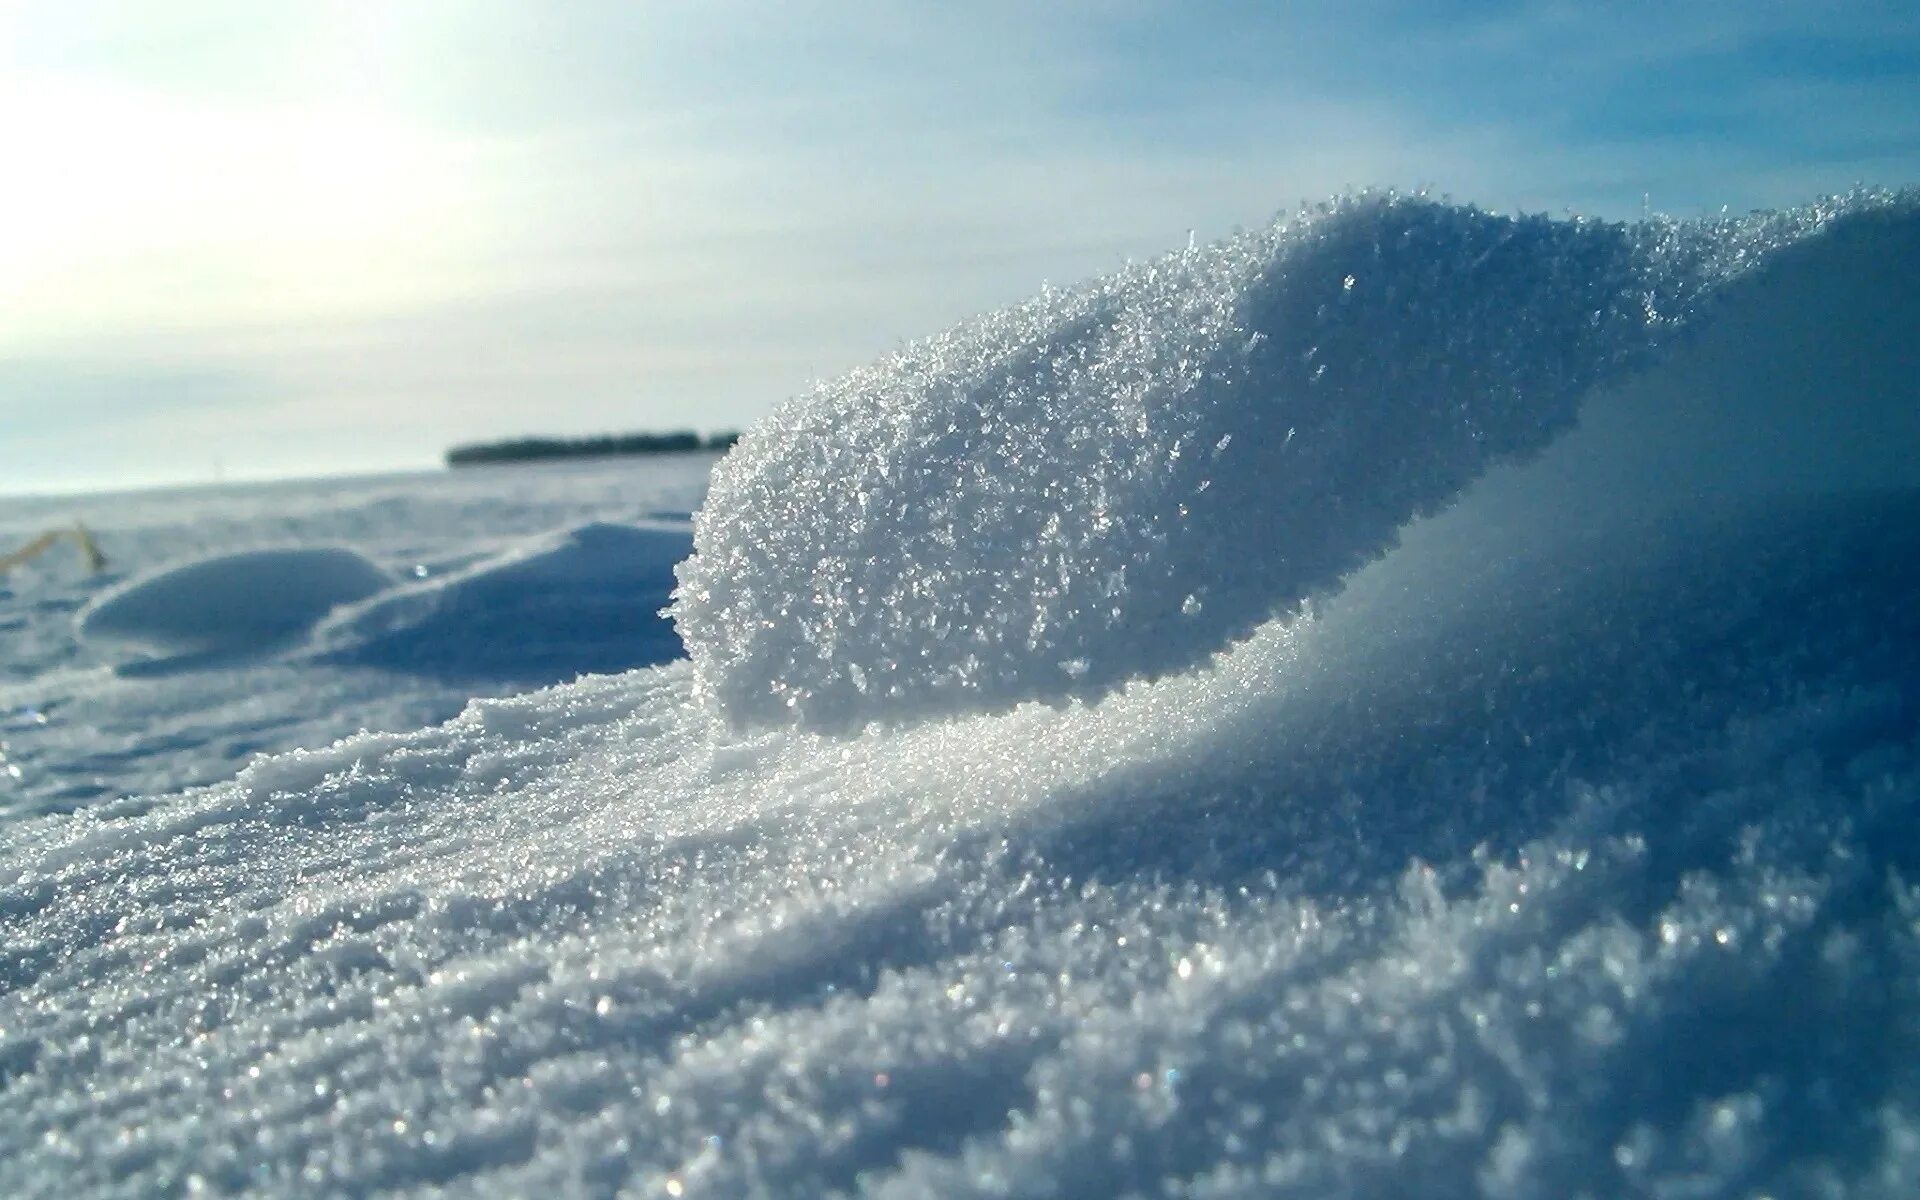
(586, 599)
(231, 603)
(1115, 481)
(1621, 901)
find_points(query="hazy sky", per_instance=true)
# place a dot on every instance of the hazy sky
(259, 239)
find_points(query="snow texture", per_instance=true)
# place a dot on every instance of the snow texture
(74, 733)
(235, 602)
(587, 599)
(1571, 849)
(1116, 480)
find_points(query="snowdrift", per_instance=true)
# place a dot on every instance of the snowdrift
(235, 602)
(586, 599)
(73, 735)
(1115, 481)
(545, 610)
(1570, 848)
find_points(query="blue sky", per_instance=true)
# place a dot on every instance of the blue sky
(244, 239)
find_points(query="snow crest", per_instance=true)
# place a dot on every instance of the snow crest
(1117, 480)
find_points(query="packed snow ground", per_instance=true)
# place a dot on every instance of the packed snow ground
(1569, 849)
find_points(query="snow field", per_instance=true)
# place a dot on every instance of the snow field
(1567, 850)
(553, 557)
(570, 941)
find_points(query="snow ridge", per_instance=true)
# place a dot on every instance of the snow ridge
(1115, 481)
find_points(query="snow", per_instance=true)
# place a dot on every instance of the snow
(1115, 481)
(1567, 848)
(544, 611)
(234, 602)
(81, 723)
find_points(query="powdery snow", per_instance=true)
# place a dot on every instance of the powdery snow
(1567, 850)
(235, 602)
(1226, 934)
(546, 610)
(82, 722)
(1116, 480)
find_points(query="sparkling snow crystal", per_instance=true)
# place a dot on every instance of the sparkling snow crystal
(1117, 480)
(1572, 849)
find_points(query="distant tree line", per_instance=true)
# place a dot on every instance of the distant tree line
(678, 441)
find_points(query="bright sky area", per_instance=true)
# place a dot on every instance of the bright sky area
(243, 240)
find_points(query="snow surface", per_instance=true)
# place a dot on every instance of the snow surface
(245, 601)
(1568, 850)
(545, 611)
(79, 723)
(1116, 480)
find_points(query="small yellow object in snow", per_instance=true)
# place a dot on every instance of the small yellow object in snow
(40, 545)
